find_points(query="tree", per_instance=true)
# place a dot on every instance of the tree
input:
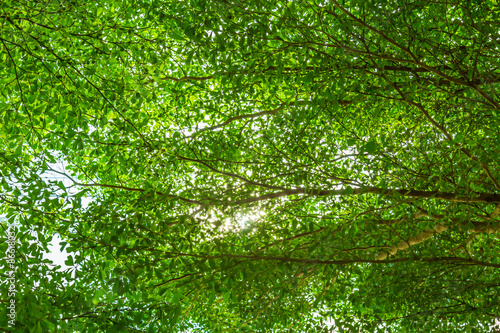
(263, 166)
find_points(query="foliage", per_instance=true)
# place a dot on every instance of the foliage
(260, 166)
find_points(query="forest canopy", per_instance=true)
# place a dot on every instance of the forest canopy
(251, 166)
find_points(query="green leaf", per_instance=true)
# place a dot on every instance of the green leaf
(370, 147)
(348, 190)
(69, 261)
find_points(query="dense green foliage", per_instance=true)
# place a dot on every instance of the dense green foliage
(260, 165)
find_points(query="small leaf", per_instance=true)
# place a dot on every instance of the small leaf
(370, 147)
(69, 261)
(348, 190)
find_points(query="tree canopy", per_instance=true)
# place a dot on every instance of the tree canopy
(260, 166)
